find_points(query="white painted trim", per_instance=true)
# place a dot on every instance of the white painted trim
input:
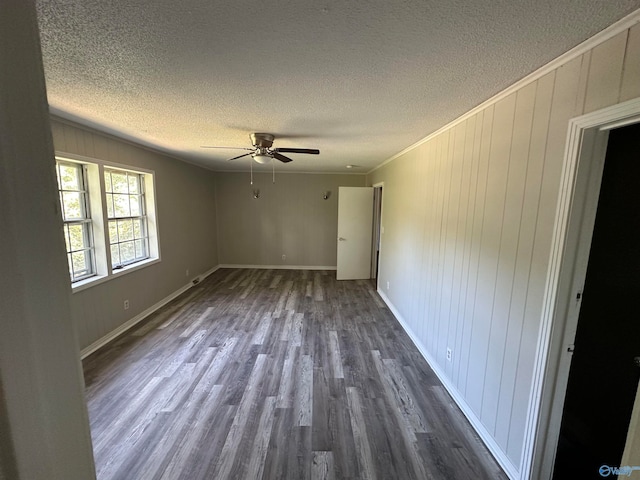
(500, 456)
(101, 342)
(74, 157)
(575, 213)
(98, 279)
(278, 267)
(262, 171)
(601, 37)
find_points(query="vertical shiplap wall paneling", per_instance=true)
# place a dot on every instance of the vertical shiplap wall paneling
(605, 73)
(426, 259)
(475, 270)
(416, 213)
(403, 291)
(501, 321)
(490, 250)
(565, 92)
(444, 257)
(436, 232)
(411, 239)
(630, 87)
(470, 185)
(425, 185)
(437, 228)
(527, 222)
(461, 189)
(474, 256)
(432, 245)
(449, 224)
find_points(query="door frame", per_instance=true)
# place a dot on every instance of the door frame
(581, 176)
(377, 231)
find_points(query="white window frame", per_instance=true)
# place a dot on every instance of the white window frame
(140, 241)
(84, 220)
(97, 202)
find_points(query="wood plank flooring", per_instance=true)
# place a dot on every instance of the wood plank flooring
(275, 374)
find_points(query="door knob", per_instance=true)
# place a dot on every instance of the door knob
(340, 239)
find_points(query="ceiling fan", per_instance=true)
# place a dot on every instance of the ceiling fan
(262, 151)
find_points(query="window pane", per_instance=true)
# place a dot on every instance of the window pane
(134, 184)
(69, 177)
(134, 202)
(80, 263)
(76, 237)
(110, 205)
(119, 182)
(71, 205)
(141, 248)
(138, 232)
(121, 206)
(113, 231)
(127, 252)
(66, 236)
(125, 230)
(115, 255)
(107, 182)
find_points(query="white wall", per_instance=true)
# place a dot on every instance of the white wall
(290, 218)
(468, 217)
(44, 430)
(186, 217)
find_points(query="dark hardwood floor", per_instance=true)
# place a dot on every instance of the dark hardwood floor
(275, 374)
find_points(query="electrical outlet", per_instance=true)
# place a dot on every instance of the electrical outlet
(284, 257)
(126, 304)
(388, 285)
(448, 354)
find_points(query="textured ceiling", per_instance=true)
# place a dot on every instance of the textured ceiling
(360, 80)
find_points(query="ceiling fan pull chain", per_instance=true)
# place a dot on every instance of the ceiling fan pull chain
(251, 168)
(273, 164)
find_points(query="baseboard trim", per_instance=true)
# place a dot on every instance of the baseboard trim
(500, 456)
(279, 267)
(101, 342)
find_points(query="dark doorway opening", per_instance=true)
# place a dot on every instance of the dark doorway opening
(603, 378)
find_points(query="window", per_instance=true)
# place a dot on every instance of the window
(128, 237)
(78, 233)
(109, 218)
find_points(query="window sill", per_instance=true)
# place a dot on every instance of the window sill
(98, 279)
(134, 266)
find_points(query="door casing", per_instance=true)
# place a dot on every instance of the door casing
(575, 217)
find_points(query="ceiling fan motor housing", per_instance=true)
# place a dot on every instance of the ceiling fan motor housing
(262, 140)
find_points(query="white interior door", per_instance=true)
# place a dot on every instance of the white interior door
(355, 217)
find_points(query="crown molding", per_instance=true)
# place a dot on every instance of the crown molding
(611, 31)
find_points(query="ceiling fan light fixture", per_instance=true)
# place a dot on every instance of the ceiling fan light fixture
(262, 158)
